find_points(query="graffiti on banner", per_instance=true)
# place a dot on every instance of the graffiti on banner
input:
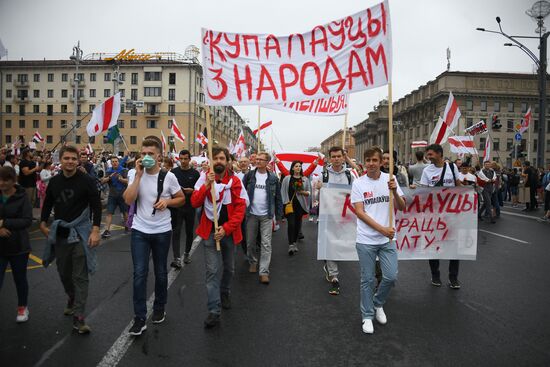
(437, 223)
(330, 106)
(477, 129)
(344, 56)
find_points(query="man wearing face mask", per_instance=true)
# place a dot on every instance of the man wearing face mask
(153, 190)
(231, 207)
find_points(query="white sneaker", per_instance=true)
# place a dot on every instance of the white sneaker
(368, 328)
(380, 315)
(22, 314)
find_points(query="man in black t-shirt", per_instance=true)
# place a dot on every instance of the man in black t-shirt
(187, 177)
(27, 174)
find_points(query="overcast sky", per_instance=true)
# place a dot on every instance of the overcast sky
(421, 31)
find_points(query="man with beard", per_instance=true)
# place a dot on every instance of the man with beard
(231, 207)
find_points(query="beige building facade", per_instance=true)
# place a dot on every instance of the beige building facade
(39, 96)
(336, 139)
(480, 96)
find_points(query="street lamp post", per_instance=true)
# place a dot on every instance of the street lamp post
(539, 11)
(76, 57)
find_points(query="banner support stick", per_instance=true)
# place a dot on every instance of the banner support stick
(259, 131)
(345, 130)
(213, 186)
(390, 146)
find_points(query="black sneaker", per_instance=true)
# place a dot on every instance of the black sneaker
(212, 320)
(226, 301)
(186, 259)
(158, 316)
(300, 236)
(106, 234)
(176, 263)
(436, 281)
(334, 287)
(138, 328)
(79, 324)
(454, 284)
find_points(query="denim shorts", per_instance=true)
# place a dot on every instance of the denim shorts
(113, 202)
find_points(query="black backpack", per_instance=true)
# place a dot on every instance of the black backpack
(325, 176)
(452, 165)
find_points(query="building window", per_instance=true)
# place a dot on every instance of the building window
(91, 139)
(92, 93)
(8, 108)
(535, 141)
(523, 107)
(35, 124)
(50, 77)
(64, 77)
(548, 145)
(469, 121)
(92, 107)
(469, 105)
(63, 124)
(8, 93)
(133, 139)
(509, 144)
(134, 78)
(153, 76)
(49, 124)
(78, 139)
(510, 125)
(107, 77)
(482, 144)
(171, 94)
(120, 124)
(22, 110)
(152, 91)
(64, 93)
(510, 106)
(8, 139)
(496, 144)
(49, 139)
(8, 124)
(36, 78)
(134, 95)
(36, 93)
(21, 124)
(133, 111)
(122, 77)
(496, 106)
(22, 78)
(122, 93)
(50, 93)
(35, 108)
(171, 110)
(483, 106)
(106, 93)
(151, 124)
(93, 77)
(172, 78)
(63, 108)
(8, 78)
(78, 109)
(133, 124)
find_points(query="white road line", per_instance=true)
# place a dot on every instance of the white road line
(119, 348)
(503, 236)
(518, 215)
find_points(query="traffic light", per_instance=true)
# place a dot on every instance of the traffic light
(496, 123)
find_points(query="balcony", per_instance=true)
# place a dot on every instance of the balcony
(152, 113)
(21, 99)
(81, 83)
(21, 83)
(152, 99)
(81, 98)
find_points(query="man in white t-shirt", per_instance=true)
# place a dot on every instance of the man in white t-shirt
(441, 173)
(151, 230)
(264, 192)
(370, 196)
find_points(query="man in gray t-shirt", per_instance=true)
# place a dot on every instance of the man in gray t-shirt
(415, 171)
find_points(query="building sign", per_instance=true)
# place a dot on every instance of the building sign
(132, 55)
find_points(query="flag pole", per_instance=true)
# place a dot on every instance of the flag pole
(213, 186)
(259, 131)
(390, 145)
(345, 129)
(70, 130)
(124, 141)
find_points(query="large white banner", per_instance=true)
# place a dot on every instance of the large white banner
(344, 56)
(326, 106)
(438, 223)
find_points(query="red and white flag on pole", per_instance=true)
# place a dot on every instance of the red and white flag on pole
(104, 116)
(446, 125)
(462, 144)
(419, 144)
(163, 140)
(176, 131)
(37, 138)
(240, 146)
(487, 153)
(262, 126)
(201, 139)
(525, 121)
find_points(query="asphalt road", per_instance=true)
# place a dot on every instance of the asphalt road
(498, 318)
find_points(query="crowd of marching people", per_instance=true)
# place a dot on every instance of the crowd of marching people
(160, 198)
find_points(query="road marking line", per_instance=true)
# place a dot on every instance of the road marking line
(518, 215)
(36, 259)
(119, 348)
(503, 236)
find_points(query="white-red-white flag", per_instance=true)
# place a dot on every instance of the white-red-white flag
(419, 144)
(176, 131)
(450, 121)
(462, 144)
(37, 137)
(240, 146)
(487, 153)
(231, 146)
(104, 116)
(525, 121)
(201, 139)
(163, 140)
(262, 126)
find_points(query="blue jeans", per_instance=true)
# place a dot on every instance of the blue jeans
(387, 253)
(158, 245)
(219, 271)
